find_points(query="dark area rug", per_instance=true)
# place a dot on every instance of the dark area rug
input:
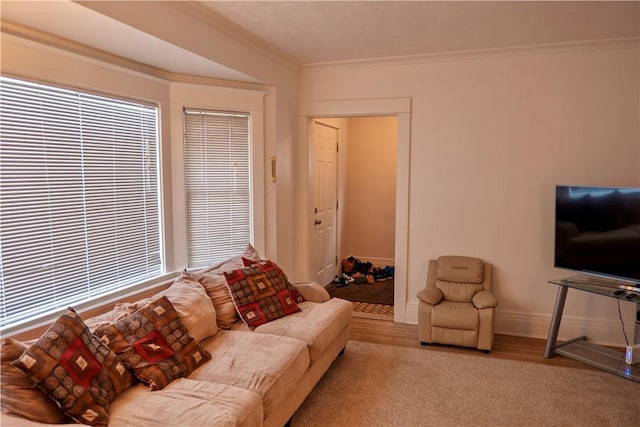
(374, 293)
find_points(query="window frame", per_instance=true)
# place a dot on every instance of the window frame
(170, 98)
(136, 288)
(197, 97)
(215, 134)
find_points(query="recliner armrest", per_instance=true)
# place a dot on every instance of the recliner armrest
(312, 291)
(484, 299)
(430, 295)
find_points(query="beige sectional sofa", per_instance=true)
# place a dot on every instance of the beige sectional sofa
(255, 377)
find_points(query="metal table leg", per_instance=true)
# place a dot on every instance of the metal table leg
(552, 338)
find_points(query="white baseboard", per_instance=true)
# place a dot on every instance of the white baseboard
(411, 313)
(599, 331)
(532, 325)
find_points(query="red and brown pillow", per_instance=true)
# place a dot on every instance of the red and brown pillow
(154, 344)
(20, 396)
(297, 297)
(260, 293)
(75, 369)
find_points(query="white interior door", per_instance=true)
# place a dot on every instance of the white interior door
(324, 200)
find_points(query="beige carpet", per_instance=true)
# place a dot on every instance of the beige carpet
(377, 385)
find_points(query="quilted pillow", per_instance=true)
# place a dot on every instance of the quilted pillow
(155, 344)
(297, 296)
(260, 293)
(75, 369)
(20, 396)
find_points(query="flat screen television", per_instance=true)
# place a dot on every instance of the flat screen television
(597, 231)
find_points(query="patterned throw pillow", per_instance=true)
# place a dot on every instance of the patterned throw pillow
(260, 293)
(297, 296)
(155, 344)
(19, 395)
(75, 369)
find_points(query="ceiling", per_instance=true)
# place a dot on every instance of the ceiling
(327, 31)
(314, 32)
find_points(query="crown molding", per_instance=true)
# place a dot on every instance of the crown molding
(69, 47)
(240, 34)
(551, 48)
(50, 41)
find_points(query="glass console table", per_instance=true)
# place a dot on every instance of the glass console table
(579, 348)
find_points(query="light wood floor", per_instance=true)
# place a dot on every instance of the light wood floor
(505, 346)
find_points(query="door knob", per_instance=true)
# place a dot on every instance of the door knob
(317, 222)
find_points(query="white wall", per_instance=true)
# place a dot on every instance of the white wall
(371, 189)
(490, 136)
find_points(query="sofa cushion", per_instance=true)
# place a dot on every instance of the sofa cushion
(187, 402)
(268, 365)
(189, 298)
(154, 343)
(216, 287)
(317, 324)
(235, 262)
(215, 284)
(461, 269)
(20, 396)
(312, 291)
(191, 301)
(119, 311)
(260, 293)
(76, 369)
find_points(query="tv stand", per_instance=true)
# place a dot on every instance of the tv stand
(579, 348)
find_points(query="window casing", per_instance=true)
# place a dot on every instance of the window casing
(217, 184)
(79, 198)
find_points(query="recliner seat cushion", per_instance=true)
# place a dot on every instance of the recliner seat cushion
(455, 315)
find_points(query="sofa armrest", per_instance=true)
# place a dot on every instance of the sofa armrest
(312, 291)
(430, 295)
(484, 299)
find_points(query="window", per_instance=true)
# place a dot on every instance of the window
(79, 198)
(218, 185)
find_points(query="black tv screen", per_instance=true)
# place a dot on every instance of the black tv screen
(597, 231)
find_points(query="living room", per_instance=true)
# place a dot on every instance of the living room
(485, 133)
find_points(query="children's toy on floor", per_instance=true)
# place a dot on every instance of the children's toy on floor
(358, 272)
(382, 274)
(342, 280)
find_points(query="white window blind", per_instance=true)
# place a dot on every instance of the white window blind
(79, 197)
(218, 185)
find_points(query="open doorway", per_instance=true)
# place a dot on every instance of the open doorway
(366, 214)
(319, 109)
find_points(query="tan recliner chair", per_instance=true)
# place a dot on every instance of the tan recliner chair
(457, 306)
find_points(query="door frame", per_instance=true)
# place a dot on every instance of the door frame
(399, 107)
